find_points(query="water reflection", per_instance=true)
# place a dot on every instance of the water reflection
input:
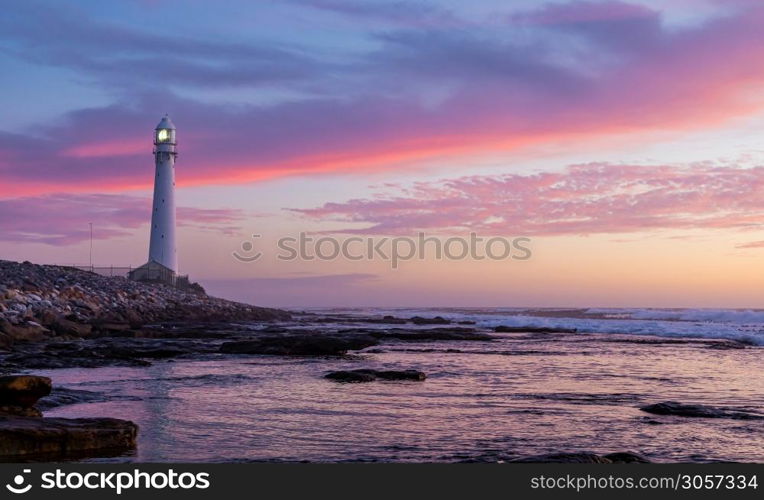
(492, 401)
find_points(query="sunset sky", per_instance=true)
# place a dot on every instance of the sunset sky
(626, 139)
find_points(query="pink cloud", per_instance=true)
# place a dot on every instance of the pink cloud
(752, 244)
(107, 148)
(583, 199)
(61, 219)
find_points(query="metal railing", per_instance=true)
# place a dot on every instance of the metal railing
(149, 275)
(107, 271)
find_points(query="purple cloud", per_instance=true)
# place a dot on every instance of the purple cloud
(562, 72)
(117, 55)
(583, 199)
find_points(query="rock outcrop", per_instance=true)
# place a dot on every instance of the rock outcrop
(19, 393)
(367, 375)
(700, 411)
(63, 438)
(437, 320)
(25, 434)
(300, 344)
(584, 457)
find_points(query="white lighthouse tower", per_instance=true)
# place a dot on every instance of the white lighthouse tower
(162, 266)
(162, 248)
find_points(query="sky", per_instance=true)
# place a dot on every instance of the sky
(622, 138)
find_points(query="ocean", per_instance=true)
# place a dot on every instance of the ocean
(522, 394)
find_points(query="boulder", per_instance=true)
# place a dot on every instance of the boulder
(22, 438)
(23, 390)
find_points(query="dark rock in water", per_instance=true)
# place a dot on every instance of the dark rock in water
(385, 320)
(22, 438)
(400, 374)
(351, 376)
(583, 457)
(565, 458)
(437, 320)
(532, 329)
(367, 375)
(465, 322)
(699, 411)
(111, 351)
(23, 390)
(304, 344)
(48, 361)
(431, 335)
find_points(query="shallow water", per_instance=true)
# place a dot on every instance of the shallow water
(522, 395)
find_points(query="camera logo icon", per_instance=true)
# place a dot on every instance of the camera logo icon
(247, 255)
(18, 486)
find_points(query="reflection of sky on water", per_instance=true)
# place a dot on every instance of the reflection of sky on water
(520, 396)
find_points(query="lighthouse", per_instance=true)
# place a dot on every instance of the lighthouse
(162, 266)
(162, 249)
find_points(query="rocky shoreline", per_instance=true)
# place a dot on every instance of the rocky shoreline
(60, 317)
(25, 433)
(55, 316)
(39, 302)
